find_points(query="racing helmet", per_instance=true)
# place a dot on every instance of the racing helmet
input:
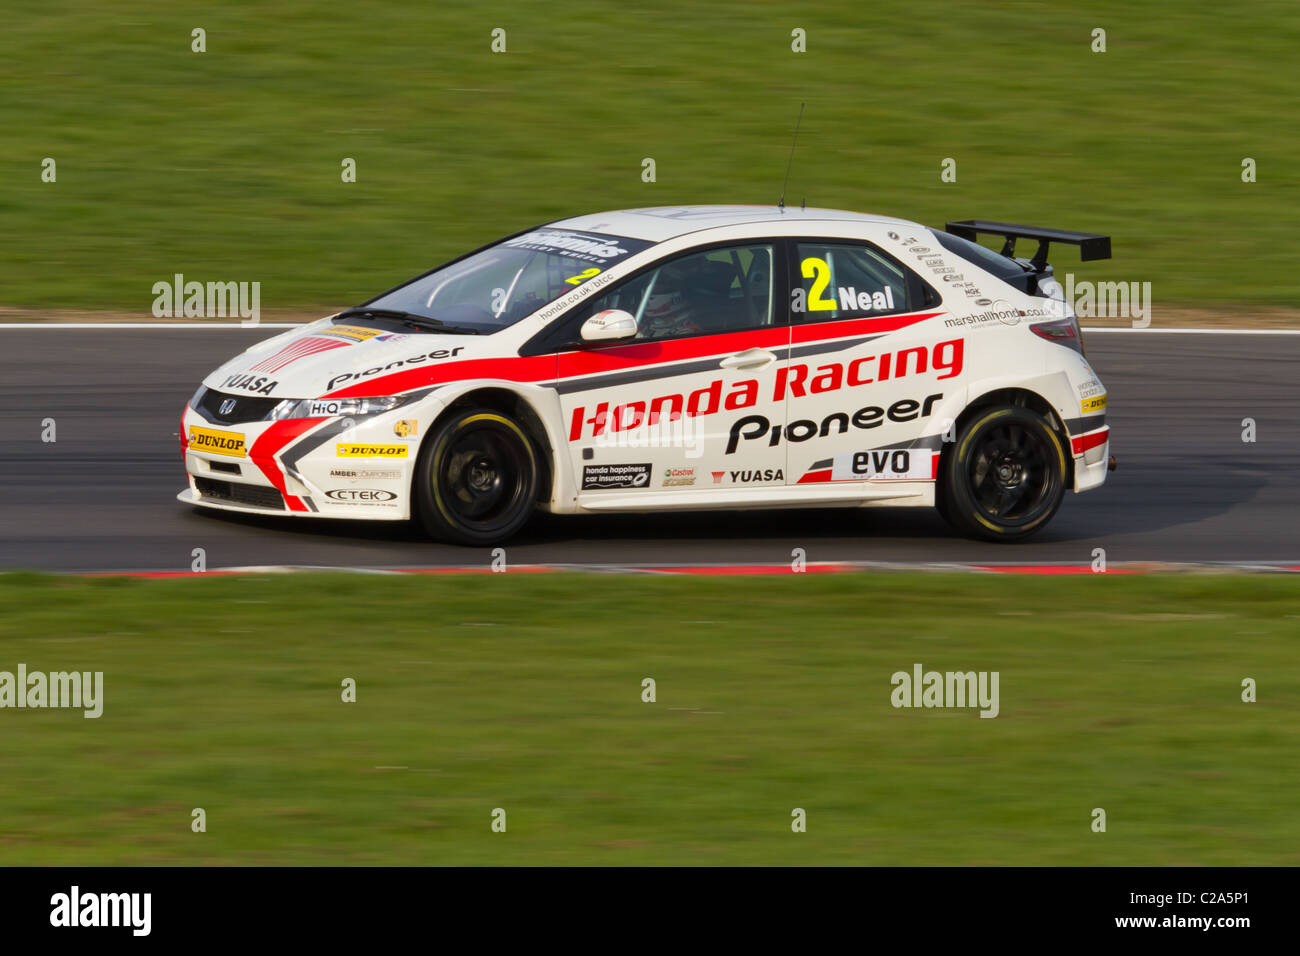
(667, 309)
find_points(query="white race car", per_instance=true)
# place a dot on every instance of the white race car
(664, 359)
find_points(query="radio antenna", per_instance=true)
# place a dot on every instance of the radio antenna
(781, 205)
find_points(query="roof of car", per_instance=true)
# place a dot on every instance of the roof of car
(658, 223)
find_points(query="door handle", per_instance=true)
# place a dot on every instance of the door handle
(750, 358)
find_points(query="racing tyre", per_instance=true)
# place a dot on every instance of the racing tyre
(476, 480)
(1005, 477)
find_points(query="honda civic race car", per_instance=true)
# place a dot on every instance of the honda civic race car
(668, 359)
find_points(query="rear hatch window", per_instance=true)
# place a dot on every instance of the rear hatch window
(1006, 269)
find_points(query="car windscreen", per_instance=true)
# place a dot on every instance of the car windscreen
(496, 287)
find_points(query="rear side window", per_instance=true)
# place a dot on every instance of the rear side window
(846, 280)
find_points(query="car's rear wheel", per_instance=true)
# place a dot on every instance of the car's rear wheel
(1005, 477)
(476, 480)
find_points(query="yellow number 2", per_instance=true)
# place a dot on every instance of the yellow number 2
(817, 270)
(582, 277)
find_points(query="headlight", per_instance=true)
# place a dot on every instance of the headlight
(331, 407)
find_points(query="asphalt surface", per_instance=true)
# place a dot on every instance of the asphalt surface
(102, 496)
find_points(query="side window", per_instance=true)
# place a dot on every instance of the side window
(720, 290)
(844, 280)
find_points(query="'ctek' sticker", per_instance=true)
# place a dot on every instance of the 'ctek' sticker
(362, 496)
(349, 450)
(217, 442)
(1095, 404)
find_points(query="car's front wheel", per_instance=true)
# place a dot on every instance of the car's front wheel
(476, 480)
(1005, 477)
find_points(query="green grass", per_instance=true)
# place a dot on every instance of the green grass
(523, 692)
(225, 165)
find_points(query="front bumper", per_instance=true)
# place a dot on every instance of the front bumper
(192, 496)
(320, 467)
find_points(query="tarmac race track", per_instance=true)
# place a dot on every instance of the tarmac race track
(102, 497)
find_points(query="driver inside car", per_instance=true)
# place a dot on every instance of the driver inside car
(667, 311)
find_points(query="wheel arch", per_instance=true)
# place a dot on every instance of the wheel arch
(509, 402)
(996, 398)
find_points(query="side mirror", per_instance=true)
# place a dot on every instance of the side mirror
(609, 325)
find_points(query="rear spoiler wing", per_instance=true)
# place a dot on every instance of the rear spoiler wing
(1090, 246)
